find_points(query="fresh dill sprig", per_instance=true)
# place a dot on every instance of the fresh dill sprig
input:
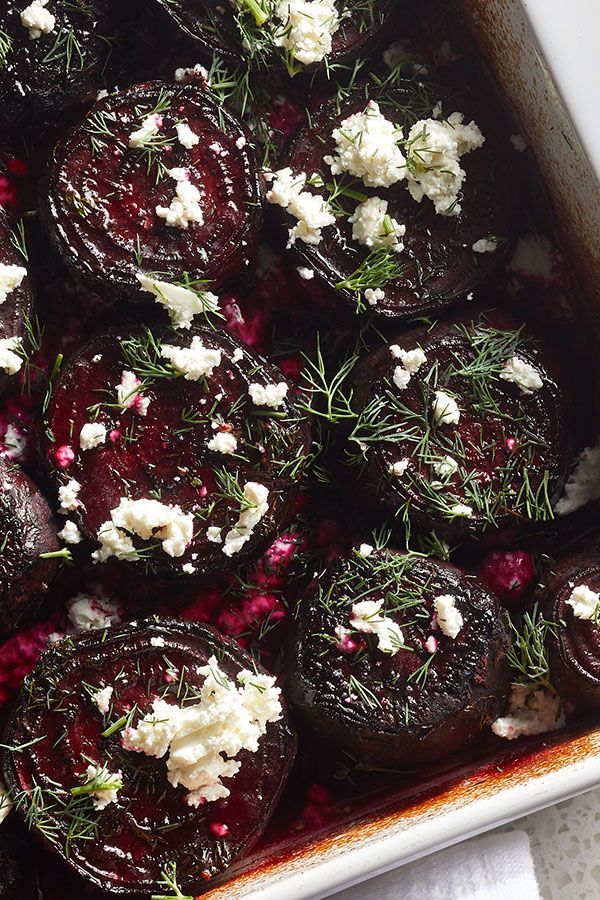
(528, 654)
(169, 879)
(66, 48)
(326, 397)
(377, 270)
(18, 240)
(143, 356)
(6, 45)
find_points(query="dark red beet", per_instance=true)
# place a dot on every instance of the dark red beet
(419, 704)
(18, 877)
(149, 826)
(508, 574)
(16, 308)
(164, 454)
(41, 79)
(510, 449)
(573, 642)
(100, 204)
(28, 529)
(438, 265)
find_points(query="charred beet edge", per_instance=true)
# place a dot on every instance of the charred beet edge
(424, 696)
(28, 530)
(149, 826)
(110, 205)
(42, 77)
(438, 265)
(16, 302)
(571, 604)
(442, 439)
(194, 441)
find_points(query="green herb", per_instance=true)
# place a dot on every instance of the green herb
(327, 399)
(17, 239)
(379, 268)
(169, 879)
(66, 48)
(528, 655)
(6, 45)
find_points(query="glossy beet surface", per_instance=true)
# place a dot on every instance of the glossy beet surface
(163, 454)
(134, 839)
(99, 205)
(499, 468)
(17, 309)
(438, 265)
(573, 642)
(43, 78)
(419, 704)
(28, 529)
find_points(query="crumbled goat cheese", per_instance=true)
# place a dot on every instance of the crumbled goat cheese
(460, 510)
(367, 618)
(365, 550)
(195, 361)
(186, 137)
(184, 75)
(449, 617)
(185, 206)
(67, 494)
(11, 277)
(10, 361)
(241, 142)
(237, 355)
(401, 378)
(584, 602)
(70, 534)
(38, 20)
(305, 28)
(445, 409)
(367, 147)
(157, 641)
(399, 468)
(534, 257)
(5, 803)
(149, 128)
(445, 467)
(92, 435)
(374, 295)
(531, 710)
(128, 396)
(306, 273)
(181, 303)
(102, 698)
(395, 350)
(107, 785)
(485, 245)
(519, 143)
(14, 442)
(412, 360)
(149, 520)
(213, 534)
(372, 226)
(433, 170)
(273, 395)
(87, 613)
(311, 210)
(203, 739)
(583, 484)
(188, 568)
(255, 507)
(223, 442)
(522, 373)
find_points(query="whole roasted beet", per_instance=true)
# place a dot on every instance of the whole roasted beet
(131, 731)
(192, 428)
(509, 574)
(16, 302)
(463, 427)
(397, 659)
(156, 178)
(47, 70)
(571, 602)
(28, 530)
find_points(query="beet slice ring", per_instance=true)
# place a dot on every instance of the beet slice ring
(571, 602)
(184, 198)
(438, 265)
(43, 77)
(447, 435)
(16, 302)
(210, 447)
(426, 695)
(27, 529)
(149, 825)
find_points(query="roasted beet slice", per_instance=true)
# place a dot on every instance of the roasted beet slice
(373, 666)
(47, 71)
(438, 265)
(27, 530)
(16, 300)
(571, 602)
(184, 198)
(208, 429)
(149, 825)
(463, 427)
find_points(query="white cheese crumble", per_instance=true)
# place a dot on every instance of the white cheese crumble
(157, 641)
(255, 507)
(534, 257)
(87, 613)
(449, 617)
(184, 208)
(412, 360)
(367, 618)
(366, 550)
(186, 137)
(445, 409)
(223, 442)
(445, 467)
(372, 227)
(241, 142)
(5, 803)
(11, 277)
(374, 295)
(67, 494)
(271, 395)
(203, 739)
(461, 511)
(92, 435)
(10, 361)
(523, 374)
(181, 303)
(102, 698)
(128, 397)
(312, 211)
(399, 468)
(148, 519)
(184, 75)
(583, 484)
(305, 28)
(188, 568)
(401, 378)
(213, 534)
(106, 785)
(367, 147)
(584, 602)
(37, 19)
(305, 273)
(485, 245)
(237, 355)
(70, 534)
(531, 710)
(148, 129)
(195, 361)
